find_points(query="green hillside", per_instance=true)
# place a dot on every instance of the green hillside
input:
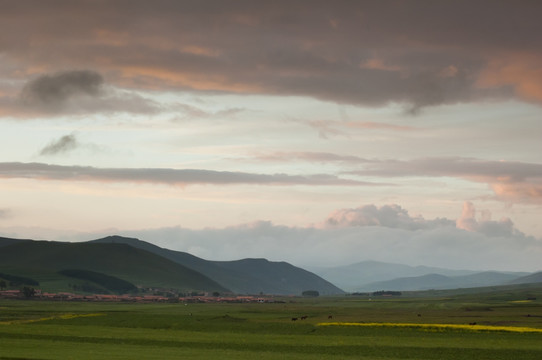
(42, 260)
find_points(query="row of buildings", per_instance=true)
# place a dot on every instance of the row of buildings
(66, 296)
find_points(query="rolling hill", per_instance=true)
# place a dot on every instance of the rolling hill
(246, 276)
(42, 260)
(438, 282)
(375, 275)
(354, 277)
(8, 241)
(528, 279)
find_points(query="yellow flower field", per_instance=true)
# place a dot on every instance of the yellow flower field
(439, 326)
(63, 317)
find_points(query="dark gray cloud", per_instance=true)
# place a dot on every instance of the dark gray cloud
(65, 144)
(74, 92)
(368, 52)
(53, 91)
(180, 177)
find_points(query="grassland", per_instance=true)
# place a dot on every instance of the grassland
(404, 328)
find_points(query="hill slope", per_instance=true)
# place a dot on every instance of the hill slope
(42, 259)
(8, 241)
(529, 279)
(247, 276)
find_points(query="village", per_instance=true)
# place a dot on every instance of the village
(37, 294)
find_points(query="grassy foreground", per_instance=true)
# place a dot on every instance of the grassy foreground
(408, 328)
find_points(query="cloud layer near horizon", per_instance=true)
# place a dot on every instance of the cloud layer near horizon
(369, 53)
(387, 233)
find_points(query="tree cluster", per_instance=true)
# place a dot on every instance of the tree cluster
(15, 280)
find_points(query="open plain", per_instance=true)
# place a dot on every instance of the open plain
(503, 324)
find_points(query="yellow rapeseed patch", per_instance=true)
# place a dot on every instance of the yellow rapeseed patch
(439, 326)
(63, 317)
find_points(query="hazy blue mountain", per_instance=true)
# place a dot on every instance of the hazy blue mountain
(353, 277)
(246, 276)
(438, 281)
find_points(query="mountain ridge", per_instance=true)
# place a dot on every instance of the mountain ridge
(372, 275)
(242, 276)
(441, 282)
(43, 259)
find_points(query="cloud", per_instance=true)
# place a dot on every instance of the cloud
(521, 72)
(467, 221)
(193, 112)
(327, 128)
(398, 238)
(369, 53)
(395, 217)
(371, 125)
(74, 92)
(386, 233)
(65, 144)
(455, 166)
(178, 177)
(511, 181)
(52, 92)
(390, 216)
(311, 157)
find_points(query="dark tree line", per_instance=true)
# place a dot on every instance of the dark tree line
(15, 280)
(310, 293)
(387, 293)
(111, 283)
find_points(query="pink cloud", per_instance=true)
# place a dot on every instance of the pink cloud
(523, 72)
(468, 221)
(390, 216)
(395, 217)
(511, 181)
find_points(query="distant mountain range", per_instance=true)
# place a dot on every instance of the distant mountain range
(116, 262)
(370, 276)
(149, 266)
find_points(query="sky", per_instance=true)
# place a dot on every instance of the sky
(314, 132)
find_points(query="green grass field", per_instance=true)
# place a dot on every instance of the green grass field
(70, 330)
